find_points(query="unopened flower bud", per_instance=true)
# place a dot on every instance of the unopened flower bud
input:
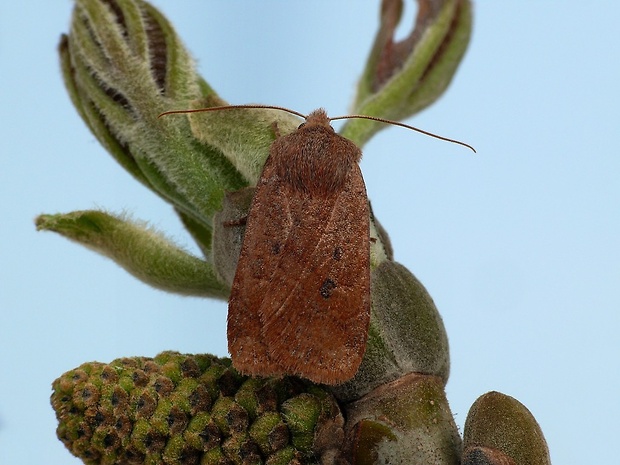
(500, 430)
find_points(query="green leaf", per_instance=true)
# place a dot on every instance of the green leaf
(140, 250)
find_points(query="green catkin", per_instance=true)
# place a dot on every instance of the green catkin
(178, 409)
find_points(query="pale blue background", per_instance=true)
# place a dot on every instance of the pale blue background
(518, 245)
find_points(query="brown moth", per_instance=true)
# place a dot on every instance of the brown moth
(300, 299)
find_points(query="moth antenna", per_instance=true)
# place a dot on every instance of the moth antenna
(232, 107)
(301, 115)
(413, 128)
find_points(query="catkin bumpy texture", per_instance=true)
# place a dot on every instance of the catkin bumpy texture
(300, 301)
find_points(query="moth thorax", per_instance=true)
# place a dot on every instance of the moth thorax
(321, 164)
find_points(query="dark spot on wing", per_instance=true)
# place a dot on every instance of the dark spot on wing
(338, 252)
(327, 287)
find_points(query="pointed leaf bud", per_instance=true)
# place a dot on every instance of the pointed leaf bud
(401, 78)
(124, 65)
(140, 250)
